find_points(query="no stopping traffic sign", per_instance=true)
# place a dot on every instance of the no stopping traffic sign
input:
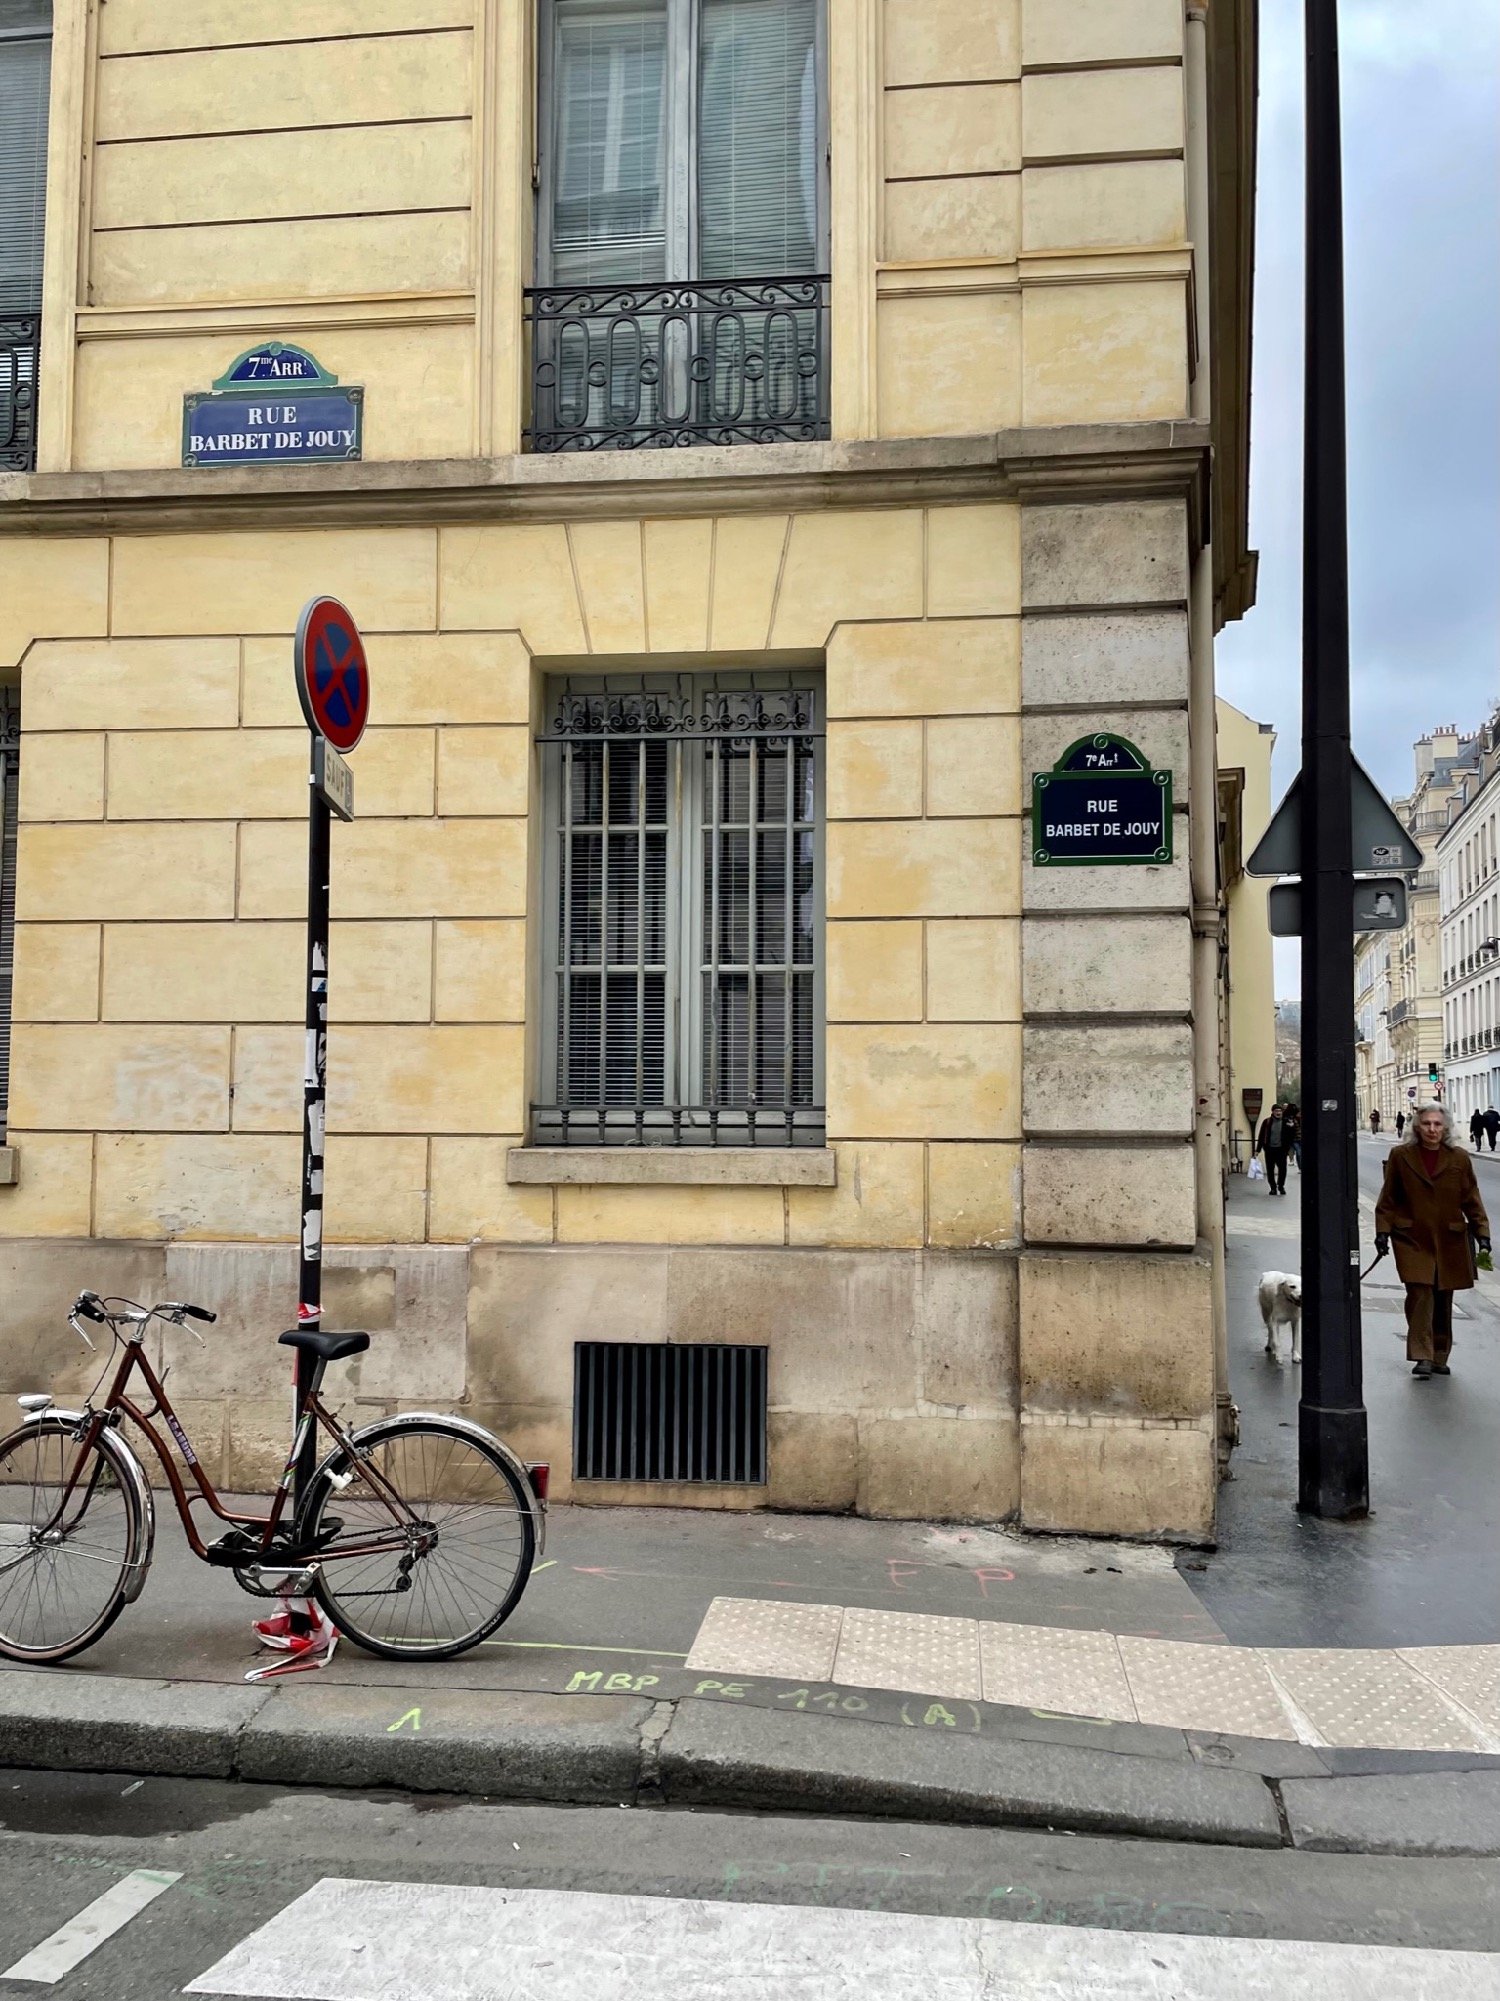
(333, 680)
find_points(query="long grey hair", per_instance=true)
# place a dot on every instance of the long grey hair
(1412, 1138)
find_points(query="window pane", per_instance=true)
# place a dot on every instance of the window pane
(24, 70)
(757, 147)
(609, 211)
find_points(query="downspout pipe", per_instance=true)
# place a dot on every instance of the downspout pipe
(1203, 859)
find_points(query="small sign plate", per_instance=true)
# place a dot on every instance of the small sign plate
(1101, 806)
(1379, 905)
(333, 779)
(273, 405)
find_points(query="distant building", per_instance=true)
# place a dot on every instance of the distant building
(1468, 886)
(1249, 987)
(1400, 977)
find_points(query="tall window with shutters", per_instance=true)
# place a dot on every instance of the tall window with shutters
(682, 224)
(25, 71)
(682, 913)
(10, 773)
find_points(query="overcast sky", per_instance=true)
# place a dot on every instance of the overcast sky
(1421, 85)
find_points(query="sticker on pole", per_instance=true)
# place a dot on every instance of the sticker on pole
(333, 679)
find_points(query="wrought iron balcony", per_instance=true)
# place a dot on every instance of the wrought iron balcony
(735, 361)
(1400, 1011)
(20, 340)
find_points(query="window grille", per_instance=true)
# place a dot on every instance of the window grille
(684, 889)
(10, 774)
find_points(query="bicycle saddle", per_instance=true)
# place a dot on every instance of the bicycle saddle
(327, 1347)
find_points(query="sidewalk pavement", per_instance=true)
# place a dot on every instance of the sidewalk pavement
(840, 1666)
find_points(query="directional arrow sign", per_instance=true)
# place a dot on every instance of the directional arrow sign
(1380, 840)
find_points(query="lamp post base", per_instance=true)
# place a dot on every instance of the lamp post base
(1334, 1462)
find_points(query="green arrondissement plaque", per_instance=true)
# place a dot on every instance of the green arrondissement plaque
(1099, 806)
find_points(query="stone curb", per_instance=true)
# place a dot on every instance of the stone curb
(624, 1750)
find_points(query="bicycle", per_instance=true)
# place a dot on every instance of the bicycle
(437, 1525)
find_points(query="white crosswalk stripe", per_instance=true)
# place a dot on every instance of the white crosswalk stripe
(72, 1943)
(360, 1941)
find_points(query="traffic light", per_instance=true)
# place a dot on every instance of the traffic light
(1432, 1073)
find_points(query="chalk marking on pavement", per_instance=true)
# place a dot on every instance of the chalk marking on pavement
(461, 1943)
(73, 1942)
(412, 1716)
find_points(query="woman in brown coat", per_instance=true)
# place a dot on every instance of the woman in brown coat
(1430, 1207)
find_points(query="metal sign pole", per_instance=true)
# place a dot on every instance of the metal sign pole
(314, 1101)
(1333, 1446)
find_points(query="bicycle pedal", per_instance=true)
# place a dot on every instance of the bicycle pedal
(235, 1548)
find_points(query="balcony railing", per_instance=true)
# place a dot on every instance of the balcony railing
(20, 340)
(737, 361)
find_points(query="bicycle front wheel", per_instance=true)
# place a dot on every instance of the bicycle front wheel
(425, 1535)
(72, 1536)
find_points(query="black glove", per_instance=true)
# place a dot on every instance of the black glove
(1382, 1244)
(1483, 1243)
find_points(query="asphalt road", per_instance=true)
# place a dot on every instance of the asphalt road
(241, 1854)
(1425, 1568)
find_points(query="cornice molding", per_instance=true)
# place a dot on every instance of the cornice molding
(1038, 466)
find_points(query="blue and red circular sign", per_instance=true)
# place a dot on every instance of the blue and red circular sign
(333, 677)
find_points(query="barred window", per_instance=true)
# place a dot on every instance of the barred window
(10, 775)
(684, 972)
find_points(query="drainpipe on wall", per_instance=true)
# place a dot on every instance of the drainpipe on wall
(1208, 919)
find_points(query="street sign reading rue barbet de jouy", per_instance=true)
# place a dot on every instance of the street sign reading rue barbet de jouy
(1101, 805)
(274, 403)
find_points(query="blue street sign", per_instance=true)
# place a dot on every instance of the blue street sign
(1101, 805)
(274, 404)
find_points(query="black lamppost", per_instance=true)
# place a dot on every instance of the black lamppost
(1333, 1443)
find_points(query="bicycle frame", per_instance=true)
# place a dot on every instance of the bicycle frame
(118, 1404)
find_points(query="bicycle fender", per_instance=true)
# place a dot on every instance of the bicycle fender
(132, 1470)
(475, 1431)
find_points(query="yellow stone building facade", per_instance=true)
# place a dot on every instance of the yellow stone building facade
(985, 1271)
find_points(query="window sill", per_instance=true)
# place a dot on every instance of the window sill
(10, 1166)
(666, 1166)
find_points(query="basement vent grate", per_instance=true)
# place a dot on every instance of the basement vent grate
(669, 1411)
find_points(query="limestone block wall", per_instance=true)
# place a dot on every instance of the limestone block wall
(317, 165)
(1033, 257)
(1116, 1351)
(157, 1045)
(1009, 238)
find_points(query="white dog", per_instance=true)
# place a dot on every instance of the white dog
(1280, 1296)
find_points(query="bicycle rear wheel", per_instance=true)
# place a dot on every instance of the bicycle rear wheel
(67, 1558)
(462, 1538)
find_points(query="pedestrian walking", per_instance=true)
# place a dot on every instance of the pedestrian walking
(1271, 1140)
(1476, 1127)
(1292, 1127)
(1492, 1125)
(1431, 1212)
(1400, 1124)
(1375, 1120)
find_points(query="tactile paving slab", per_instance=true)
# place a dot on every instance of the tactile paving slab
(1362, 1698)
(1070, 1672)
(916, 1651)
(1189, 1687)
(1471, 1675)
(758, 1636)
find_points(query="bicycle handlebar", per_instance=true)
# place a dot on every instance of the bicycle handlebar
(90, 1306)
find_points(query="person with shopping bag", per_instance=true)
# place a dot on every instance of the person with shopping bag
(1429, 1211)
